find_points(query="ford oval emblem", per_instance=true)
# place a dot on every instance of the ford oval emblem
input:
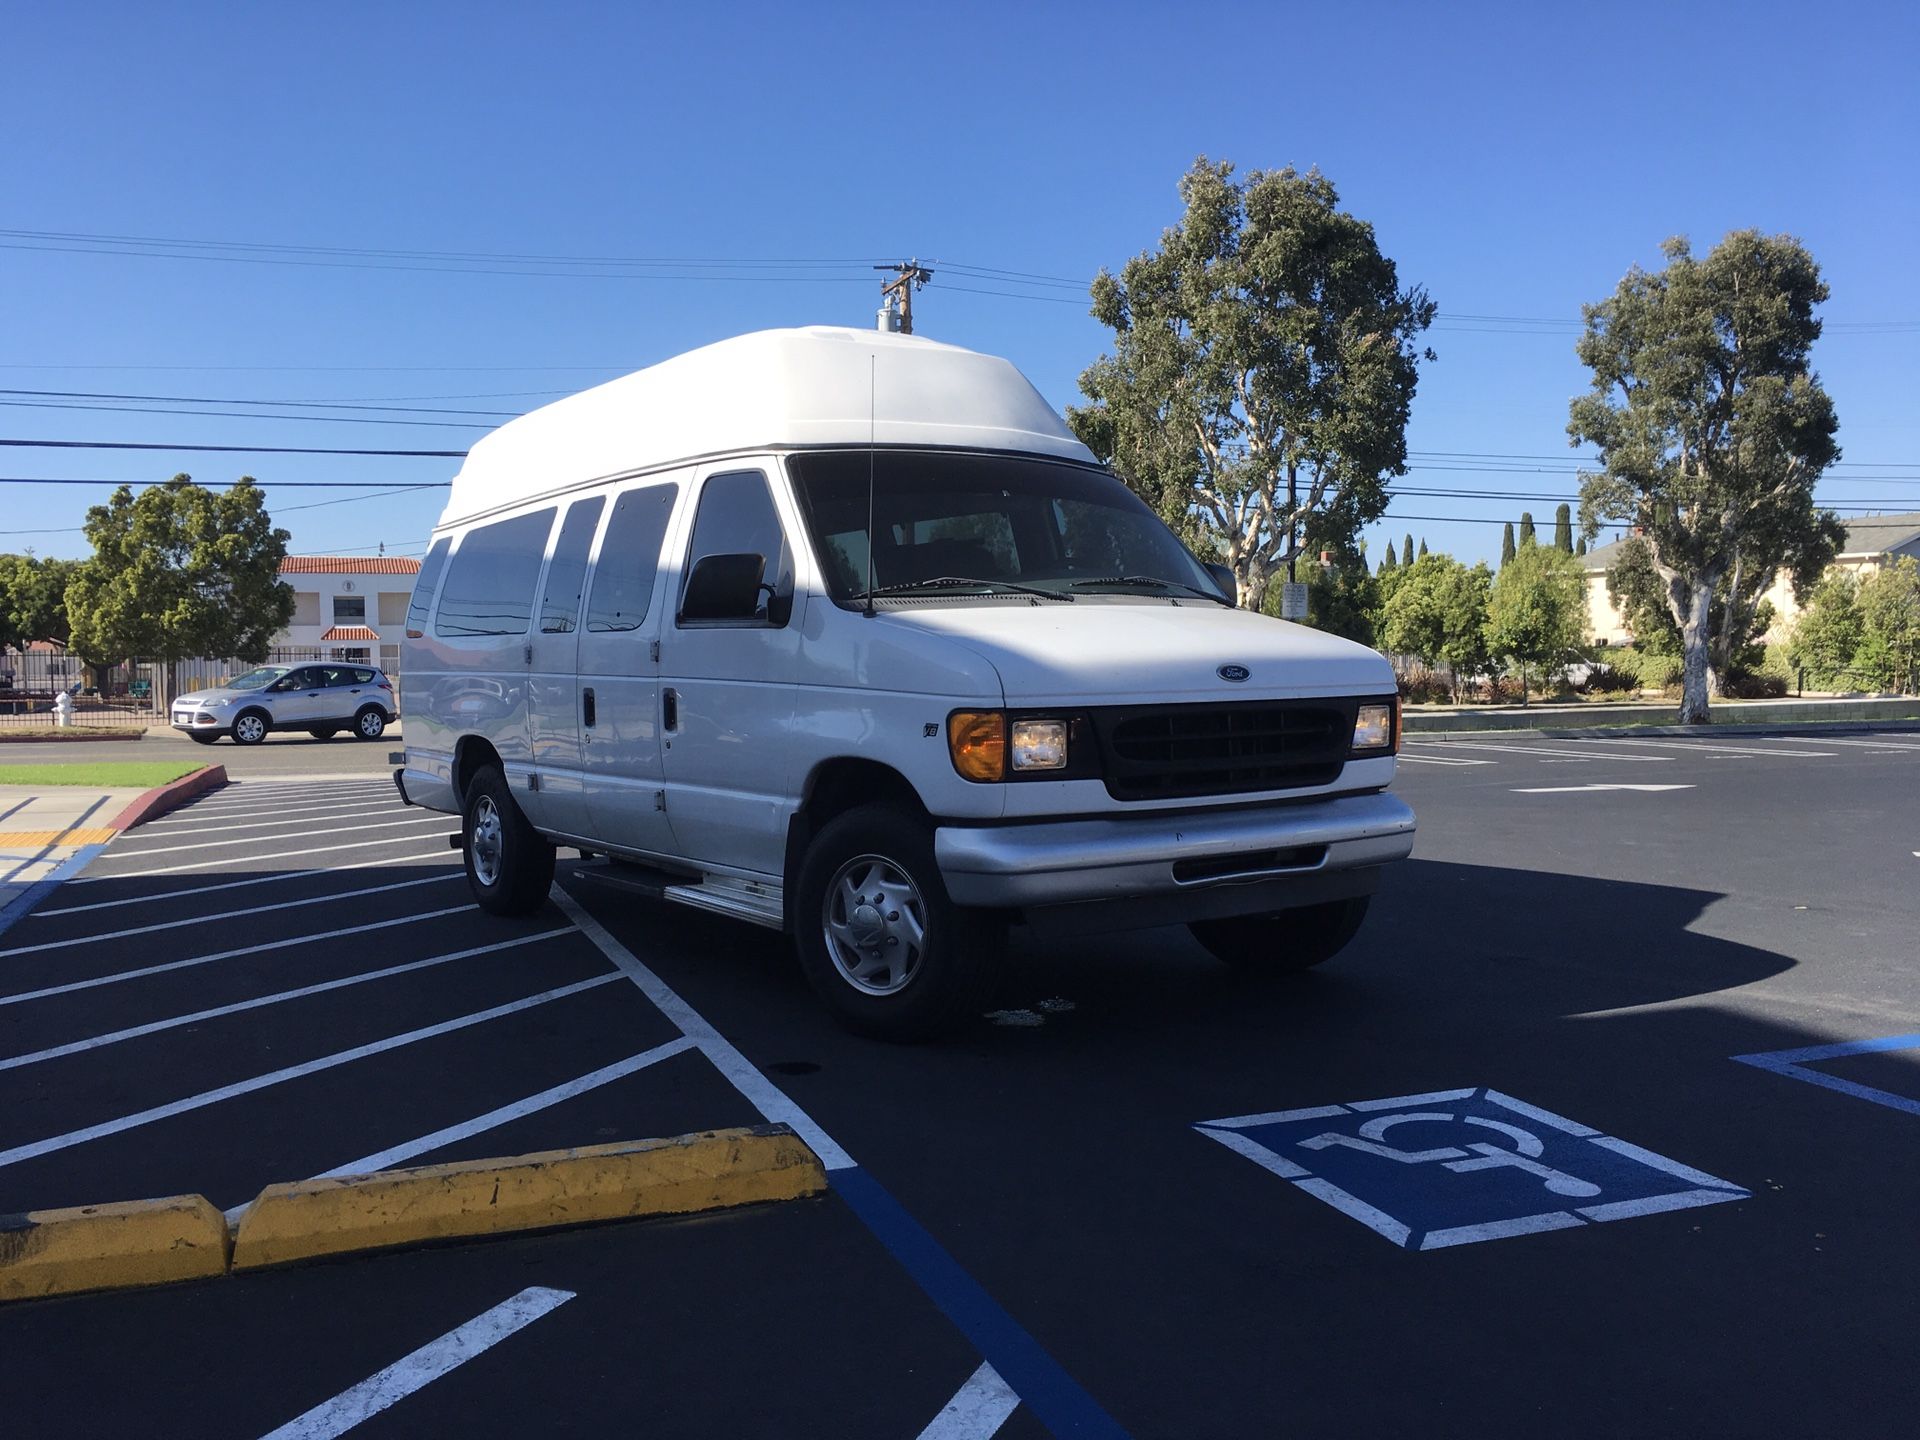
(1235, 673)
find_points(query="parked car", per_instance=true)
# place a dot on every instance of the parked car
(321, 699)
(844, 634)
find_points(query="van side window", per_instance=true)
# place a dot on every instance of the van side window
(567, 571)
(489, 587)
(421, 605)
(629, 560)
(737, 518)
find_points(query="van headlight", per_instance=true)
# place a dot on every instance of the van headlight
(1375, 729)
(1039, 745)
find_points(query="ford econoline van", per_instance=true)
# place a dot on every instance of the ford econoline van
(843, 633)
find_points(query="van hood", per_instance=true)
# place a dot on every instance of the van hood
(1119, 652)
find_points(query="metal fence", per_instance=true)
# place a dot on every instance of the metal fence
(131, 693)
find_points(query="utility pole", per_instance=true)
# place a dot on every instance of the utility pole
(898, 292)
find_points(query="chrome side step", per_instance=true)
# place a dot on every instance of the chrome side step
(749, 900)
(741, 899)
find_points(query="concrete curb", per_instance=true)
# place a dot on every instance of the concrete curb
(163, 798)
(110, 1247)
(65, 737)
(1705, 733)
(156, 1242)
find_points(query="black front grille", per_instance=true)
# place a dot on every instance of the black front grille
(1167, 752)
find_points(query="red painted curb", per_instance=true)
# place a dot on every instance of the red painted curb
(163, 798)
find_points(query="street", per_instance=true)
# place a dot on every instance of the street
(1499, 1169)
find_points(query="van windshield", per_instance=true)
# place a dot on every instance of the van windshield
(967, 525)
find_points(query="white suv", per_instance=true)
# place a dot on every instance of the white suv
(844, 634)
(321, 699)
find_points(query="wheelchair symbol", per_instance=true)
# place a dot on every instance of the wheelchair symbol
(1485, 1156)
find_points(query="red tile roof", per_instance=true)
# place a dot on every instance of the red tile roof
(351, 632)
(349, 565)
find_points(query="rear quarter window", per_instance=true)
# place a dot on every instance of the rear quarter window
(490, 584)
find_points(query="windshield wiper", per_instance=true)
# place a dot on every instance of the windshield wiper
(1154, 581)
(954, 582)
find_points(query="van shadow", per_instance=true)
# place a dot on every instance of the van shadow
(1440, 935)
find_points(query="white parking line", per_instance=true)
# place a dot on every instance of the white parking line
(1437, 760)
(205, 1098)
(283, 944)
(166, 848)
(978, 1409)
(422, 1367)
(282, 816)
(1705, 747)
(1575, 751)
(80, 940)
(158, 896)
(1864, 743)
(154, 1027)
(250, 859)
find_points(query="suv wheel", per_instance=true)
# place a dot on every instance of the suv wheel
(250, 727)
(881, 943)
(370, 723)
(509, 863)
(1285, 942)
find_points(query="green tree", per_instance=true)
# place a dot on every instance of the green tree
(1580, 546)
(33, 597)
(1640, 595)
(1423, 549)
(1406, 551)
(1387, 562)
(1537, 612)
(1264, 364)
(1506, 544)
(1342, 596)
(1563, 529)
(180, 570)
(1712, 430)
(1437, 611)
(1828, 633)
(1527, 534)
(1889, 605)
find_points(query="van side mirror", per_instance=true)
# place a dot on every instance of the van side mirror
(1223, 577)
(724, 587)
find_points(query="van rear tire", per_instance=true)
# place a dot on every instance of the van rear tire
(882, 944)
(1285, 942)
(509, 863)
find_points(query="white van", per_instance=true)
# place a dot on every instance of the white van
(844, 634)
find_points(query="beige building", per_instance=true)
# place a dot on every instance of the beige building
(348, 607)
(1872, 541)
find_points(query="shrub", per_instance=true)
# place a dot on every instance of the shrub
(1607, 680)
(1752, 685)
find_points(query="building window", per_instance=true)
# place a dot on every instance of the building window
(350, 609)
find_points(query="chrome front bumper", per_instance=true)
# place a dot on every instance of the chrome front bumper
(1154, 856)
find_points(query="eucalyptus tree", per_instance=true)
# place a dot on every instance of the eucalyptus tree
(1712, 429)
(1265, 359)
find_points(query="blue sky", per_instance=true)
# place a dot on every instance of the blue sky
(1515, 160)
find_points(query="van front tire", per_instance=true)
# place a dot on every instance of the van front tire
(885, 949)
(509, 863)
(1286, 942)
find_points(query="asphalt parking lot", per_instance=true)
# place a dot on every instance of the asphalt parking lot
(1152, 1198)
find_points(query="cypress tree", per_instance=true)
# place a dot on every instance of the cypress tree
(1580, 546)
(1406, 551)
(1386, 560)
(1527, 536)
(1563, 530)
(1506, 543)
(1423, 547)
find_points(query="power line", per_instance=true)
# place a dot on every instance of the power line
(235, 449)
(298, 404)
(263, 484)
(236, 414)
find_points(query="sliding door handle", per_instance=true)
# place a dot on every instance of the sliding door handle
(670, 710)
(586, 706)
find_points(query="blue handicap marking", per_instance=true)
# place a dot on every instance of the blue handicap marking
(1797, 1065)
(1455, 1166)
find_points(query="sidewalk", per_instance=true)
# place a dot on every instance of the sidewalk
(41, 828)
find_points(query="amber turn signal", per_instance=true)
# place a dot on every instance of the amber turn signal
(977, 740)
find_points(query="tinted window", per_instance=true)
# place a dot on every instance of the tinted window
(363, 677)
(567, 571)
(489, 586)
(629, 560)
(349, 607)
(421, 605)
(737, 518)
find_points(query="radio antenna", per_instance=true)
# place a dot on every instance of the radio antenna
(873, 406)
